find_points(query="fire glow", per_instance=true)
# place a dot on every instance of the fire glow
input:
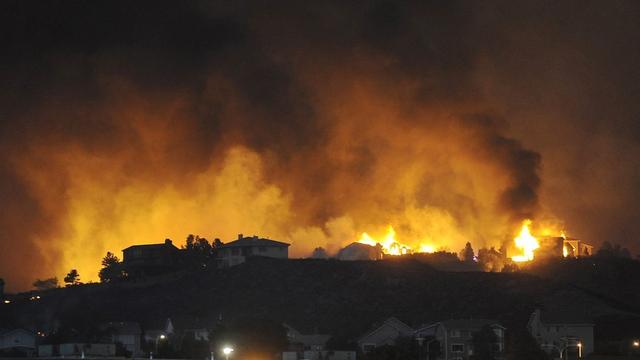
(526, 242)
(390, 246)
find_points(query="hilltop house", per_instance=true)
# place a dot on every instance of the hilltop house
(556, 246)
(572, 247)
(357, 251)
(455, 337)
(386, 334)
(236, 252)
(564, 334)
(151, 259)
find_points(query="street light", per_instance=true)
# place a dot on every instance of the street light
(161, 337)
(227, 350)
(636, 343)
(579, 350)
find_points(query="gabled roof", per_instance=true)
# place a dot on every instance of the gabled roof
(393, 322)
(306, 339)
(254, 241)
(469, 323)
(165, 245)
(4, 332)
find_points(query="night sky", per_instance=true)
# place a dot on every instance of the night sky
(311, 122)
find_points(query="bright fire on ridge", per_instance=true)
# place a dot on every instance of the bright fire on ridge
(391, 246)
(526, 242)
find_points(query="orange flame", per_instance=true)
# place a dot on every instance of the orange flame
(526, 242)
(391, 246)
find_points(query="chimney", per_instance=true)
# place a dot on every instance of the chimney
(167, 242)
(239, 236)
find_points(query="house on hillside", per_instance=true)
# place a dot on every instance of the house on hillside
(15, 342)
(455, 337)
(556, 246)
(236, 252)
(566, 334)
(385, 334)
(151, 259)
(358, 251)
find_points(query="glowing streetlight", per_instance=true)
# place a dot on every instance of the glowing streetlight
(227, 351)
(580, 350)
(161, 337)
(636, 343)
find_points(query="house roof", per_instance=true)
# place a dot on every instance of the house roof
(393, 322)
(469, 323)
(254, 241)
(167, 244)
(4, 332)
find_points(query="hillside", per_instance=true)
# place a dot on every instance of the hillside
(337, 297)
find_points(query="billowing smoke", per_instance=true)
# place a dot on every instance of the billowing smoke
(308, 123)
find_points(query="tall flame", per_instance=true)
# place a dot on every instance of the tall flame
(526, 242)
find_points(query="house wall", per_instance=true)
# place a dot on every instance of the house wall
(550, 336)
(385, 335)
(17, 338)
(237, 255)
(464, 337)
(78, 348)
(319, 355)
(131, 342)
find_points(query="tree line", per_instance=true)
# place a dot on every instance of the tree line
(198, 253)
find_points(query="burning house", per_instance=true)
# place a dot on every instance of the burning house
(556, 246)
(548, 246)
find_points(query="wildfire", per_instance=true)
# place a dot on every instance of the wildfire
(526, 242)
(391, 246)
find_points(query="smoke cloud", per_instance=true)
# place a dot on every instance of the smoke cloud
(306, 123)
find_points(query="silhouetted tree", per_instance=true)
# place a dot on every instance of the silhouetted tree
(112, 269)
(467, 254)
(198, 250)
(609, 250)
(319, 253)
(72, 278)
(46, 284)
